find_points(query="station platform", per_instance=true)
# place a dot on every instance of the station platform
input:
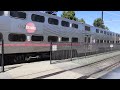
(45, 70)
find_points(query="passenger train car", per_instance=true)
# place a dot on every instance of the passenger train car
(27, 34)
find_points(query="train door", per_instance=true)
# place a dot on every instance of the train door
(87, 40)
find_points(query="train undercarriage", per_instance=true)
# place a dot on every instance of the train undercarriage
(18, 58)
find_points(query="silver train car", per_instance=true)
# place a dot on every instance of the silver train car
(27, 34)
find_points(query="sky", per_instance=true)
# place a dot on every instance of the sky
(111, 18)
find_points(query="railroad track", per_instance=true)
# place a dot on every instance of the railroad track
(93, 69)
(99, 71)
(90, 70)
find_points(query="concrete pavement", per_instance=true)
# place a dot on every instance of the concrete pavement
(38, 69)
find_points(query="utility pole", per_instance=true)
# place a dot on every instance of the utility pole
(102, 18)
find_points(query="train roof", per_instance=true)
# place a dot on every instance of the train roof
(61, 18)
(57, 17)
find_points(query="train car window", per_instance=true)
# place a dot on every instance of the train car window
(74, 39)
(105, 32)
(104, 41)
(65, 23)
(17, 37)
(87, 28)
(38, 18)
(65, 39)
(85, 39)
(37, 38)
(1, 13)
(1, 36)
(97, 30)
(88, 39)
(53, 21)
(101, 31)
(113, 34)
(107, 41)
(98, 40)
(52, 39)
(110, 34)
(101, 41)
(18, 14)
(75, 25)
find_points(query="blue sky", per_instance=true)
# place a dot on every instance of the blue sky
(111, 18)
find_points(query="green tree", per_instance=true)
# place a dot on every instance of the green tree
(82, 20)
(99, 23)
(106, 28)
(69, 15)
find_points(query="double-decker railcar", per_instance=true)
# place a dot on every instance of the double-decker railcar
(27, 35)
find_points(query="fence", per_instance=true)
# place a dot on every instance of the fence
(64, 51)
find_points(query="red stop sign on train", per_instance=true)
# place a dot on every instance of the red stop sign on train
(30, 27)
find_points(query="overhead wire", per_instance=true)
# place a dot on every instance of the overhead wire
(112, 14)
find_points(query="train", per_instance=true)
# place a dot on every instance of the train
(28, 35)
